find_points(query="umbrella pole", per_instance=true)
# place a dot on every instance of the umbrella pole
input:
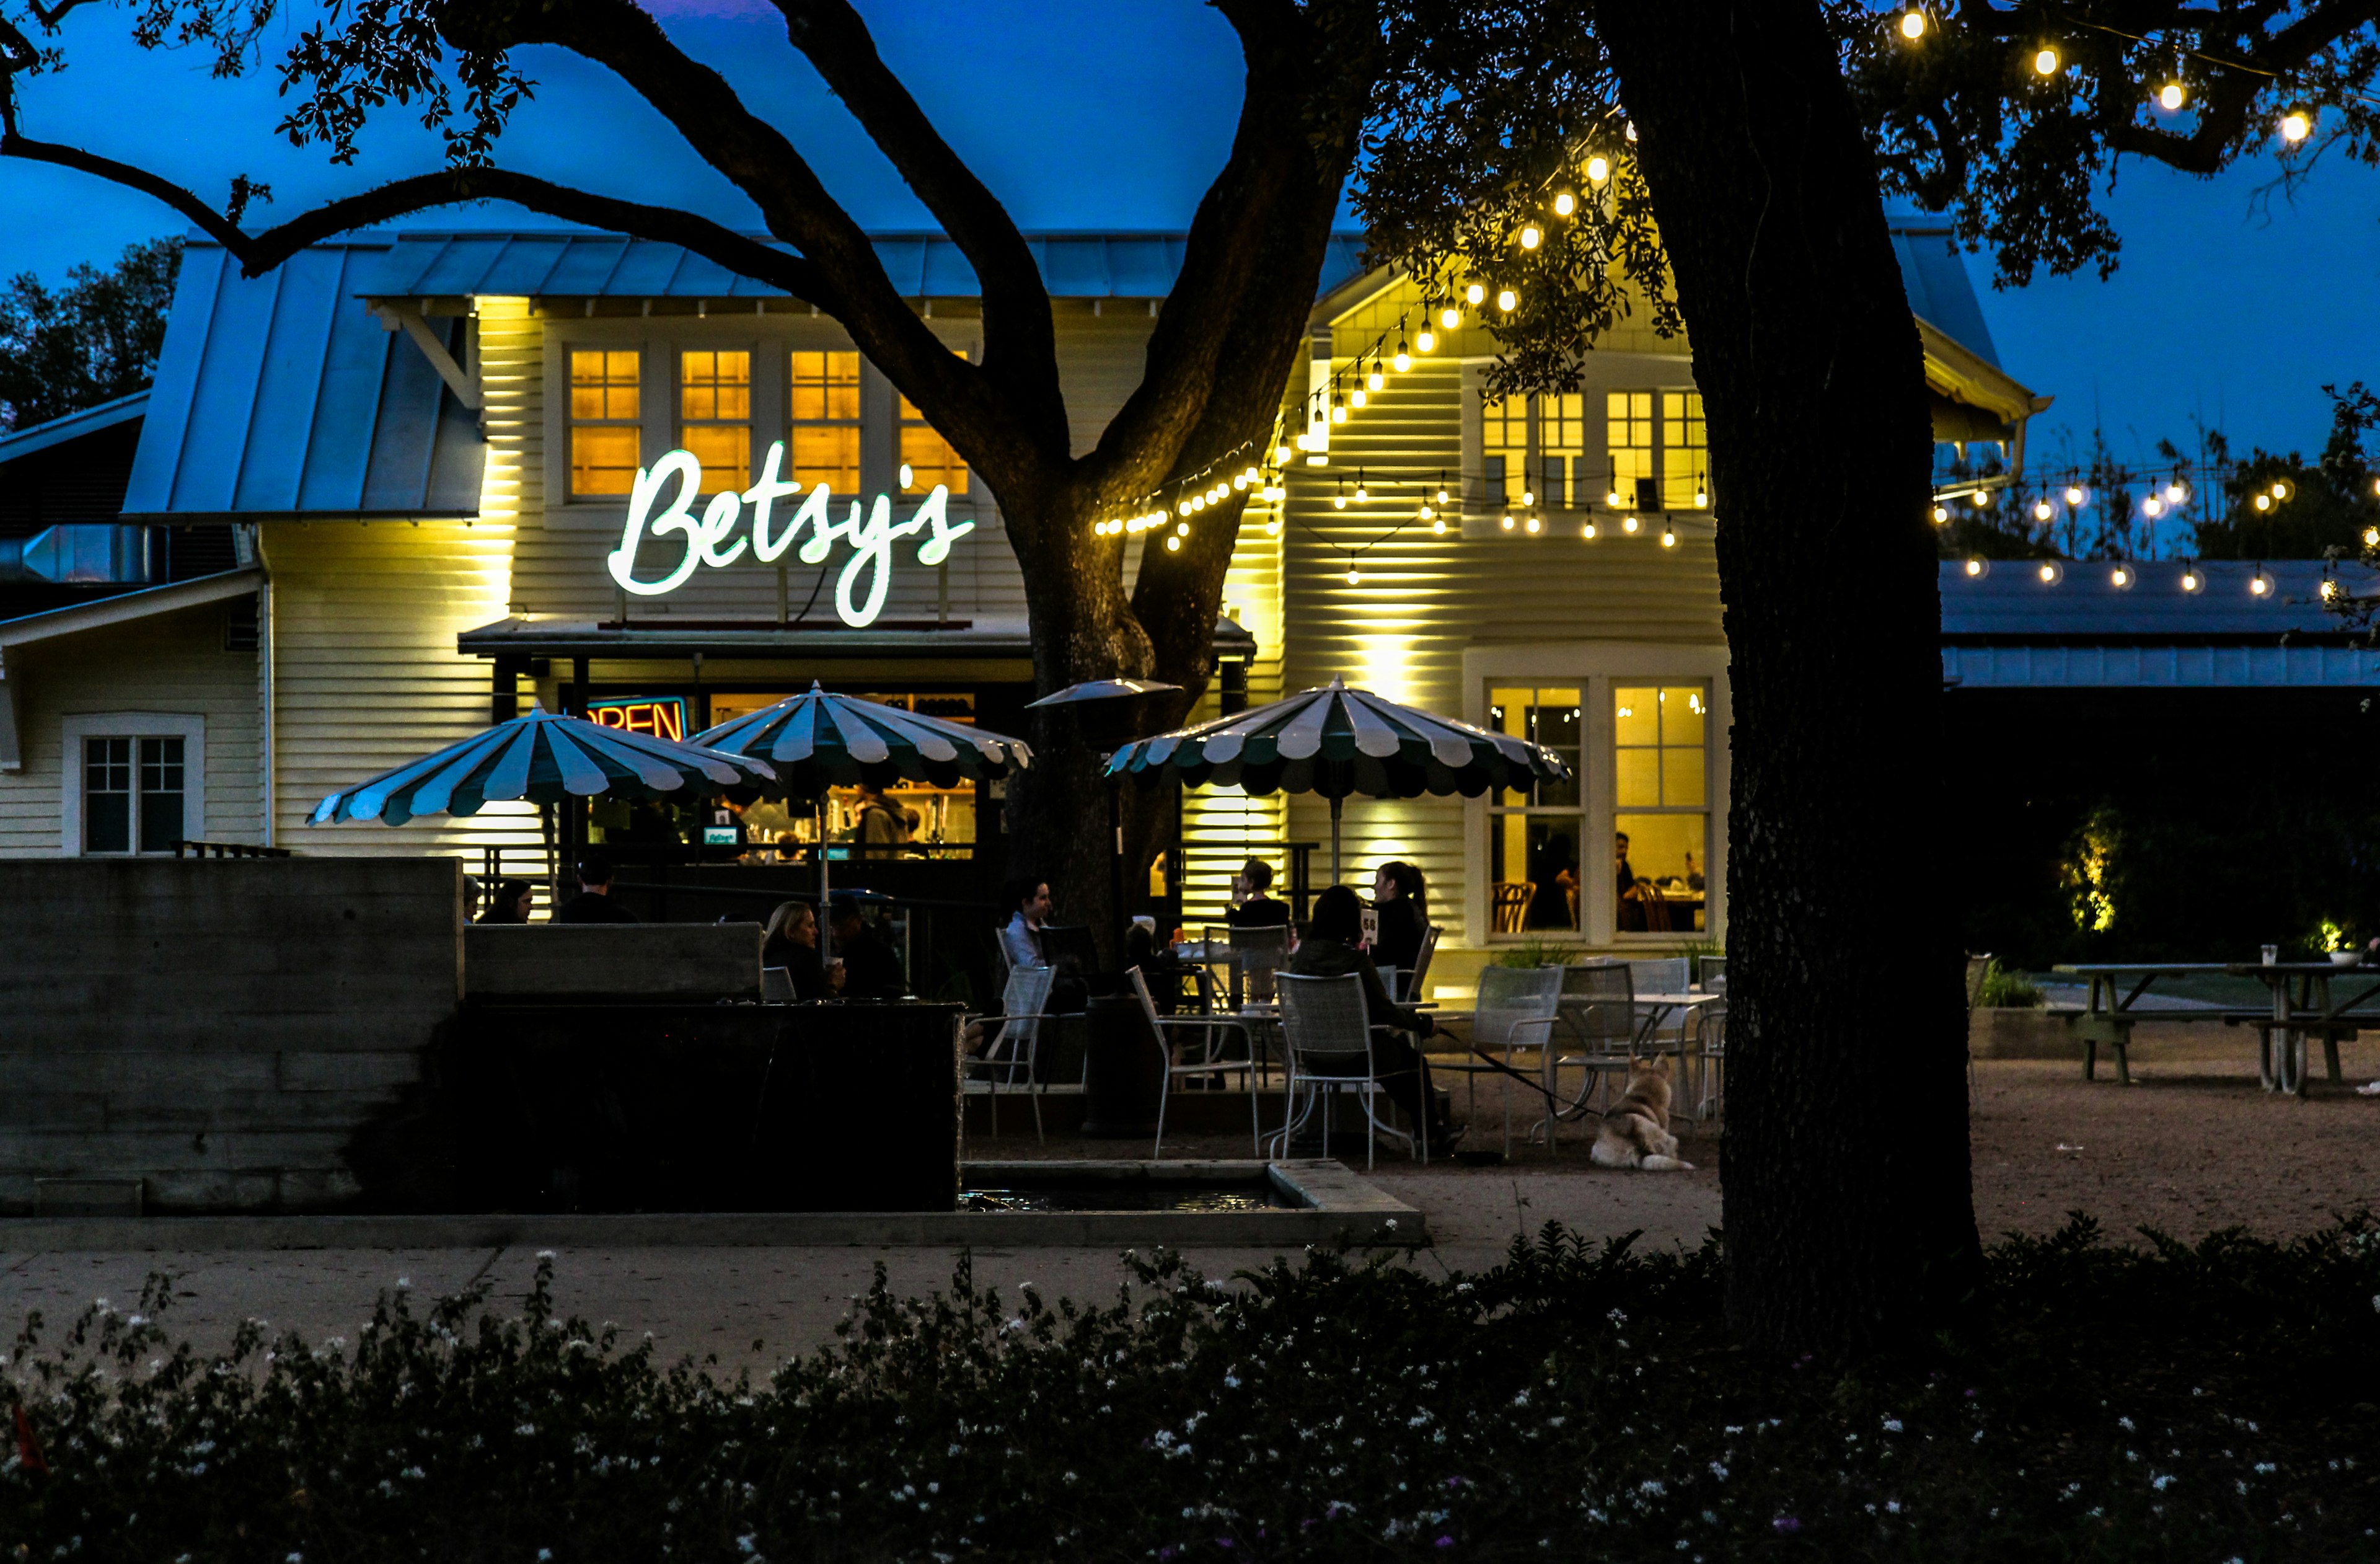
(826, 925)
(1334, 840)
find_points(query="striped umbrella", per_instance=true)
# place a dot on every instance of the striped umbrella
(817, 741)
(1335, 741)
(544, 758)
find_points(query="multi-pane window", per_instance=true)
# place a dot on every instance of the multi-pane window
(1684, 471)
(927, 456)
(1661, 793)
(715, 390)
(1561, 446)
(604, 410)
(1536, 837)
(132, 795)
(1504, 449)
(823, 442)
(1628, 444)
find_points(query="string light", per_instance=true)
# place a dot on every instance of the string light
(1528, 496)
(1702, 496)
(1173, 545)
(2260, 583)
(2120, 577)
(1668, 535)
(2190, 580)
(1438, 527)
(1977, 568)
(1425, 339)
(1449, 317)
(1359, 397)
(1531, 525)
(2371, 537)
(1566, 203)
(1474, 294)
(2177, 493)
(2296, 126)
(1353, 575)
(2043, 510)
(1913, 24)
(1941, 514)
(1612, 498)
(1507, 301)
(2171, 96)
(1629, 525)
(1182, 529)
(2073, 495)
(1598, 168)
(1363, 493)
(1982, 499)
(2329, 590)
(1378, 380)
(2264, 502)
(1587, 530)
(2152, 507)
(1508, 524)
(1529, 236)
(2045, 61)
(1339, 500)
(1404, 359)
(2051, 571)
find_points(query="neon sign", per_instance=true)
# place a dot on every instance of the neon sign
(662, 716)
(707, 536)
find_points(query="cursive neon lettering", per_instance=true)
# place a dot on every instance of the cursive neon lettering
(682, 466)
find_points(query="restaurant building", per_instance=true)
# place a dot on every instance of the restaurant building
(412, 461)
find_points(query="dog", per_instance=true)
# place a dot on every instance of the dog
(1636, 1133)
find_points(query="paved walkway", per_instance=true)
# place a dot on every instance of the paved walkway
(724, 1301)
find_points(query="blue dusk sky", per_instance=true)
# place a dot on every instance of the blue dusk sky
(2227, 312)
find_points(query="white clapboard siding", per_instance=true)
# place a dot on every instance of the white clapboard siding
(170, 662)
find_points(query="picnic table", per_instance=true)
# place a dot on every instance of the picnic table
(2303, 1006)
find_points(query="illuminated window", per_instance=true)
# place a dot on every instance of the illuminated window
(1536, 838)
(714, 396)
(604, 434)
(1628, 441)
(1562, 446)
(1661, 790)
(822, 444)
(917, 819)
(927, 456)
(1685, 470)
(1504, 449)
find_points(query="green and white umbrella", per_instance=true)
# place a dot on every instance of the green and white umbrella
(542, 757)
(817, 741)
(1335, 741)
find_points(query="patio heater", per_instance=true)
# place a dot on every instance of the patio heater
(1108, 714)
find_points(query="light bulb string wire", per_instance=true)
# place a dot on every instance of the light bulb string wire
(2180, 51)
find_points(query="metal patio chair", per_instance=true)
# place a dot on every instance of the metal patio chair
(1414, 990)
(1202, 1036)
(1710, 1063)
(1596, 1035)
(1008, 1058)
(1329, 1029)
(776, 986)
(1516, 1011)
(1256, 956)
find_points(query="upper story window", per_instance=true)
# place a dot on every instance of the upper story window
(714, 392)
(605, 421)
(926, 457)
(1656, 447)
(823, 443)
(1533, 451)
(1504, 450)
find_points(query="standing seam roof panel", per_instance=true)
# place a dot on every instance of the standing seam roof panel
(305, 307)
(223, 411)
(157, 461)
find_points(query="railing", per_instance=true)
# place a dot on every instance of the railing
(228, 850)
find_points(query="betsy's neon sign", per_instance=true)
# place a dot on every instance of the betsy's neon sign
(708, 536)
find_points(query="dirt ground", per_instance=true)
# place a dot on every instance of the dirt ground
(2192, 1146)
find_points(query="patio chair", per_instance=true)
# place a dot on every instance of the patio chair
(1008, 1058)
(1202, 1035)
(1415, 991)
(1664, 975)
(1256, 956)
(1597, 1034)
(776, 986)
(1329, 1030)
(1516, 1010)
(1711, 972)
(1710, 1063)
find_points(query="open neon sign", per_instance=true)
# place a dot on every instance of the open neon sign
(662, 716)
(708, 536)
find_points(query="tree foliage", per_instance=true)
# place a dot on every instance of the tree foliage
(91, 341)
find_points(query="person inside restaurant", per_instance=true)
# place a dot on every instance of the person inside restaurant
(1251, 907)
(885, 829)
(791, 941)
(1331, 950)
(870, 968)
(594, 903)
(1632, 897)
(1401, 898)
(510, 904)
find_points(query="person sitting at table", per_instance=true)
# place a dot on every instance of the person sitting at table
(511, 903)
(1027, 900)
(1399, 897)
(1328, 950)
(1251, 907)
(791, 941)
(1632, 917)
(593, 903)
(870, 968)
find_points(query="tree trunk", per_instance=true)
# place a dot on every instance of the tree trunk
(1849, 1213)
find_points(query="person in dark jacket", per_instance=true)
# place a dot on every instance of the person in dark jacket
(1329, 950)
(870, 969)
(1399, 897)
(510, 904)
(593, 903)
(791, 941)
(1256, 909)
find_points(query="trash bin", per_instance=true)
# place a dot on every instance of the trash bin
(1123, 1070)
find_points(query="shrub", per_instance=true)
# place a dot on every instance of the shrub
(2003, 988)
(1578, 1400)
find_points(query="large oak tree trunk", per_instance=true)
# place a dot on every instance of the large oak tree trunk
(1849, 1220)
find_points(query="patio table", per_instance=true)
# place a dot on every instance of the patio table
(2106, 1019)
(2303, 1007)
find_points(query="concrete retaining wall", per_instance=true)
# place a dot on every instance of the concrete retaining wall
(218, 1029)
(574, 962)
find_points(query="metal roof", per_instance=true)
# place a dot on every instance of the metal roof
(2009, 628)
(72, 425)
(1934, 278)
(284, 395)
(587, 264)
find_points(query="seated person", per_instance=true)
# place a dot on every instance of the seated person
(510, 904)
(870, 969)
(593, 903)
(1027, 900)
(1253, 908)
(1329, 951)
(792, 943)
(1632, 916)
(1397, 894)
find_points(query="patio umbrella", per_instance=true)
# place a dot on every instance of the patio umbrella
(1335, 741)
(544, 758)
(817, 741)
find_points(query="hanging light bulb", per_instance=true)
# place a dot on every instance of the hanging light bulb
(2191, 579)
(2371, 537)
(1425, 339)
(1531, 525)
(1339, 413)
(1507, 301)
(1941, 514)
(1668, 535)
(2296, 126)
(1449, 317)
(1353, 575)
(1272, 527)
(2177, 493)
(1566, 203)
(1474, 293)
(2074, 494)
(1239, 481)
(1363, 493)
(1403, 360)
(1359, 397)
(2043, 510)
(1438, 527)
(1528, 496)
(1186, 507)
(2264, 502)
(2049, 571)
(1913, 24)
(2045, 61)
(2260, 583)
(1977, 566)
(1379, 379)
(1702, 496)
(1182, 529)
(1529, 236)
(1339, 500)
(1508, 524)
(1423, 513)
(2283, 488)
(2171, 96)
(1280, 455)
(1587, 530)
(2329, 590)
(2152, 507)
(1598, 168)
(1198, 504)
(1612, 498)
(1982, 499)
(2120, 577)
(1628, 128)
(1629, 525)
(1440, 495)
(1173, 545)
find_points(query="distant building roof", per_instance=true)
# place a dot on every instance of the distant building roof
(586, 264)
(24, 441)
(1934, 276)
(284, 395)
(2011, 629)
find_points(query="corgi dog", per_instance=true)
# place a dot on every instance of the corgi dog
(1636, 1133)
